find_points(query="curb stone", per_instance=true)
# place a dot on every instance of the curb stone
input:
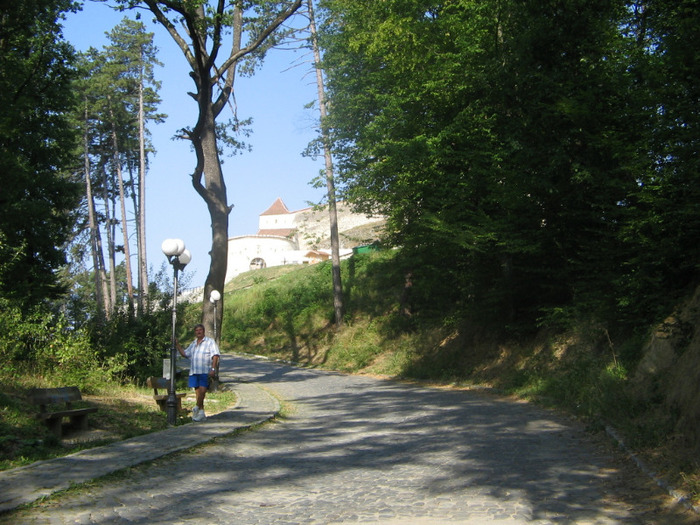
(678, 496)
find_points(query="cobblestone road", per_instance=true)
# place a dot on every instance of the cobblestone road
(361, 450)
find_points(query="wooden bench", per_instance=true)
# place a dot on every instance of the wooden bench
(65, 396)
(160, 383)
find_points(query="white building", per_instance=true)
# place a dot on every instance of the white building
(297, 237)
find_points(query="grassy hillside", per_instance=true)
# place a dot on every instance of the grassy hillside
(287, 313)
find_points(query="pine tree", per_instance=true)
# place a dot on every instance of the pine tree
(120, 96)
(132, 56)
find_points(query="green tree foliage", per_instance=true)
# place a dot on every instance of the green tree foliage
(42, 344)
(563, 119)
(666, 226)
(509, 144)
(37, 146)
(131, 58)
(400, 75)
(129, 348)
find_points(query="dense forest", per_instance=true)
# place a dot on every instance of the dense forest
(537, 160)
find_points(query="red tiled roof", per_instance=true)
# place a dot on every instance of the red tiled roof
(278, 208)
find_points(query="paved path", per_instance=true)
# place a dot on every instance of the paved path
(356, 450)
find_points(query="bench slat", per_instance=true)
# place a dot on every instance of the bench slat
(158, 383)
(165, 396)
(67, 413)
(50, 396)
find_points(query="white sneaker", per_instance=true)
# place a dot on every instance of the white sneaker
(198, 414)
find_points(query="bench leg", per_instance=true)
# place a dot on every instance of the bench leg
(79, 422)
(55, 425)
(163, 403)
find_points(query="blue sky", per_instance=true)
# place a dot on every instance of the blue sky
(282, 127)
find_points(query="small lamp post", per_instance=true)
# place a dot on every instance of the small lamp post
(214, 297)
(178, 256)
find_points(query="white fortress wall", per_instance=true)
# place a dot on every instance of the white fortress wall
(242, 251)
(286, 237)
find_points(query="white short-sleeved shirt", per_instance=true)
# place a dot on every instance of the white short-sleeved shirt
(200, 355)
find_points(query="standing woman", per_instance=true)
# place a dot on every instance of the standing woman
(203, 354)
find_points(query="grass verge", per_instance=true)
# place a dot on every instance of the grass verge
(124, 412)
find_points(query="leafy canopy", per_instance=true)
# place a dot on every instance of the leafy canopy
(39, 195)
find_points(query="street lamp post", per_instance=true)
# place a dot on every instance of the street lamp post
(178, 256)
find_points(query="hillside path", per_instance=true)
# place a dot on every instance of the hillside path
(354, 449)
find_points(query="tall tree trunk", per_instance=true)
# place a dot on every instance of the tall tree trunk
(213, 191)
(330, 179)
(141, 211)
(100, 266)
(92, 225)
(214, 194)
(137, 225)
(109, 230)
(125, 227)
(127, 248)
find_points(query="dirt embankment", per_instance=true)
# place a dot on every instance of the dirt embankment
(670, 369)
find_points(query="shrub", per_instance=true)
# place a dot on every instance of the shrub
(132, 348)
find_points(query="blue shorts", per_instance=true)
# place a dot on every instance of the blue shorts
(197, 380)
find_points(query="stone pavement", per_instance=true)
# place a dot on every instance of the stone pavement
(40, 479)
(355, 449)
